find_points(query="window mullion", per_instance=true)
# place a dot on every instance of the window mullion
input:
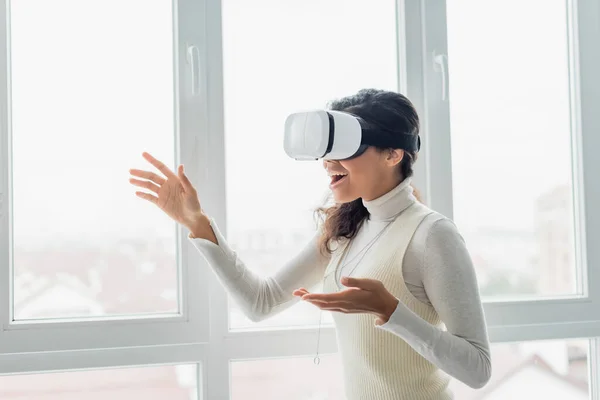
(426, 52)
(218, 385)
(587, 31)
(102, 358)
(5, 275)
(593, 370)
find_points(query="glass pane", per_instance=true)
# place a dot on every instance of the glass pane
(287, 378)
(88, 96)
(178, 382)
(271, 198)
(534, 370)
(511, 144)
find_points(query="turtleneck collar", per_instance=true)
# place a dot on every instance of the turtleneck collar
(392, 203)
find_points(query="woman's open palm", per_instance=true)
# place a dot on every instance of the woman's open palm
(173, 193)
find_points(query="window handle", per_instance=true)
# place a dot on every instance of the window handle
(440, 64)
(193, 59)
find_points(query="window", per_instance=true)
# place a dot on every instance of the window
(101, 294)
(83, 265)
(80, 244)
(506, 155)
(291, 378)
(79, 257)
(555, 369)
(510, 104)
(178, 382)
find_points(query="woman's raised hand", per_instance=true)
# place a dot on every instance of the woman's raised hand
(172, 192)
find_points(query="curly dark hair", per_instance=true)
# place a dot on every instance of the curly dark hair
(389, 111)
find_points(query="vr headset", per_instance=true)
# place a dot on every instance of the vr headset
(336, 135)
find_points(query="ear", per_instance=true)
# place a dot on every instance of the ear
(394, 157)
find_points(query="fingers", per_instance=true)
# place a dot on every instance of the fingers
(343, 310)
(342, 307)
(362, 283)
(332, 304)
(187, 185)
(145, 184)
(147, 196)
(151, 176)
(159, 165)
(300, 292)
(339, 296)
(321, 297)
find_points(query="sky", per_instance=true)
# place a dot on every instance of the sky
(86, 105)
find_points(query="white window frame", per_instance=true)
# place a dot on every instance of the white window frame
(528, 319)
(197, 335)
(189, 324)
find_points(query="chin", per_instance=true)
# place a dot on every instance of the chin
(341, 197)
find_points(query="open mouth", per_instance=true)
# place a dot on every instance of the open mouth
(337, 178)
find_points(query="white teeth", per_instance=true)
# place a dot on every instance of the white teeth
(337, 174)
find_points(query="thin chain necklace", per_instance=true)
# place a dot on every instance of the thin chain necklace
(361, 253)
(340, 266)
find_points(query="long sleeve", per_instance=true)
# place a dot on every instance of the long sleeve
(260, 297)
(450, 283)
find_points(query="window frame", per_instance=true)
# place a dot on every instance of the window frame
(189, 324)
(551, 318)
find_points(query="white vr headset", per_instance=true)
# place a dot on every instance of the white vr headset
(336, 135)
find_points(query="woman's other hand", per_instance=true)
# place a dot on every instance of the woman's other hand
(361, 296)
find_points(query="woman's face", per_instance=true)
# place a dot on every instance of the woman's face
(368, 176)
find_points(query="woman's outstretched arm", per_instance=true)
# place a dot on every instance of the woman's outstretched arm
(260, 297)
(174, 194)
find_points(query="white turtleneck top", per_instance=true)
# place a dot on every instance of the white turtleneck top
(437, 270)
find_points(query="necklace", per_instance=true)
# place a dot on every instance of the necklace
(361, 253)
(339, 268)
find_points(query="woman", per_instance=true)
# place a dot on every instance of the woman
(394, 272)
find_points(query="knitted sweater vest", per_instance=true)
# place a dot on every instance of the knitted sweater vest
(377, 364)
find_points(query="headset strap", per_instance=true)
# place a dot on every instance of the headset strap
(384, 139)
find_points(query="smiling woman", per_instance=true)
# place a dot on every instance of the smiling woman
(395, 273)
(92, 278)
